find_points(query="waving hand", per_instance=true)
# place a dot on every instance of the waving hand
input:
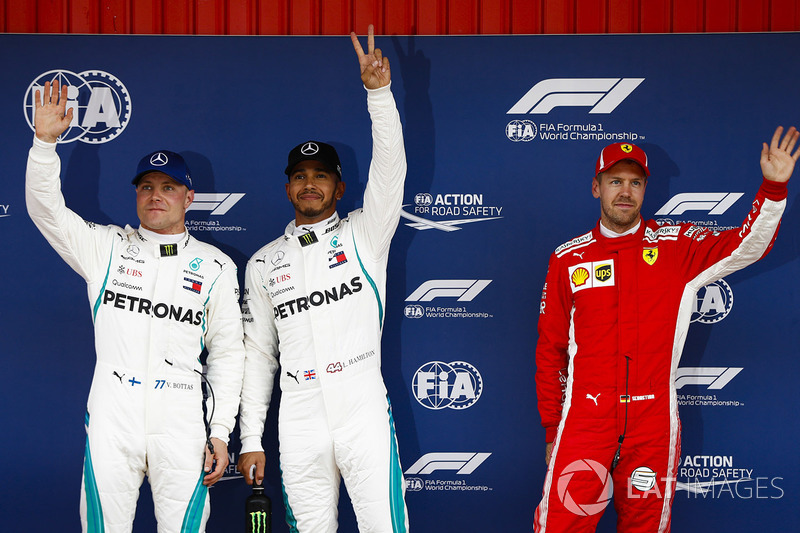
(50, 121)
(777, 160)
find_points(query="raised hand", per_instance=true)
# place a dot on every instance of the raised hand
(777, 159)
(375, 71)
(50, 120)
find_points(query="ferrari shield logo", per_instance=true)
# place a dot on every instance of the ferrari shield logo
(650, 255)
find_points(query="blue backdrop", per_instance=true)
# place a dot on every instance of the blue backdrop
(501, 134)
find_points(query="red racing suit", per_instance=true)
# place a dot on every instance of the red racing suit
(612, 323)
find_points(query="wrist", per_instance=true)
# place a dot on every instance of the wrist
(46, 138)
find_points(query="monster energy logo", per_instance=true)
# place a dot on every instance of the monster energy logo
(307, 238)
(168, 250)
(258, 522)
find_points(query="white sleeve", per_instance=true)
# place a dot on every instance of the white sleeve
(225, 351)
(383, 196)
(261, 359)
(83, 245)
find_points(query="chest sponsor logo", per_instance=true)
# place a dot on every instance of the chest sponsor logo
(144, 306)
(280, 278)
(591, 275)
(317, 298)
(308, 239)
(650, 255)
(193, 285)
(602, 272)
(277, 258)
(168, 250)
(132, 272)
(337, 259)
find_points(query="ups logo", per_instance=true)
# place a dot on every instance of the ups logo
(602, 273)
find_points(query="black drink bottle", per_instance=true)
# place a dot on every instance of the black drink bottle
(258, 510)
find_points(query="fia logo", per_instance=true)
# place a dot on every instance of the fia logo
(414, 311)
(712, 303)
(454, 385)
(414, 484)
(100, 102)
(521, 130)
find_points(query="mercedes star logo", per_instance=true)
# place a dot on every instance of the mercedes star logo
(309, 148)
(159, 159)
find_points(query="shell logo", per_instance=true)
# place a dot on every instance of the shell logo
(580, 276)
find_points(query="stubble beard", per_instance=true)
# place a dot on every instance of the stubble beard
(621, 220)
(312, 212)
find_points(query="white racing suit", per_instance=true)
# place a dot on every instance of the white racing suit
(155, 308)
(320, 294)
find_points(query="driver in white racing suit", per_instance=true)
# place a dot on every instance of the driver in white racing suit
(159, 298)
(314, 303)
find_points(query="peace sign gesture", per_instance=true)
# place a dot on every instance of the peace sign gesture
(375, 71)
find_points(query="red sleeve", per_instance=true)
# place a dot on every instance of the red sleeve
(552, 358)
(713, 255)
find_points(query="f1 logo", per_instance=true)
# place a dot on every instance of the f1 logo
(715, 203)
(462, 463)
(714, 377)
(217, 203)
(602, 94)
(463, 289)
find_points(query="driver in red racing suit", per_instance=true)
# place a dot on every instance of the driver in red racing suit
(613, 318)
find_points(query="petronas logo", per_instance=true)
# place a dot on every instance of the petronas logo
(258, 522)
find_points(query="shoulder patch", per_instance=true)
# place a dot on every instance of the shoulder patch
(664, 232)
(577, 241)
